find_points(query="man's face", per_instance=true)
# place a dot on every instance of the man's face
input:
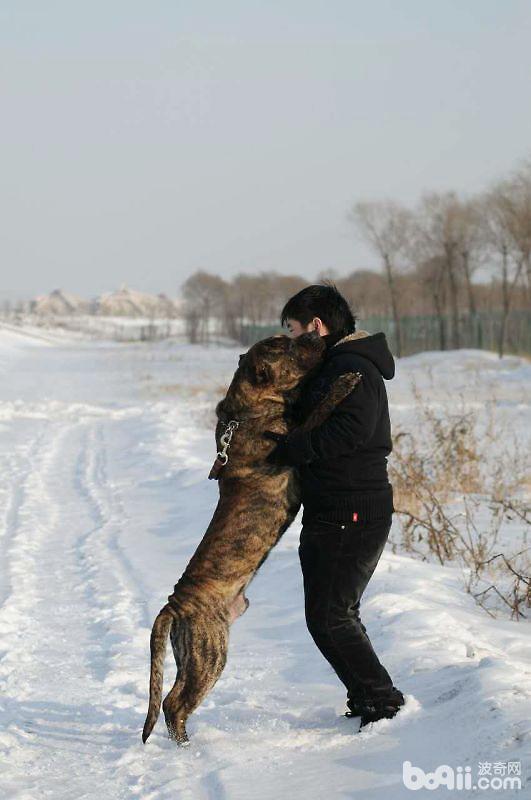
(296, 329)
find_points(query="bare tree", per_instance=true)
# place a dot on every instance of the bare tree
(366, 292)
(204, 295)
(258, 299)
(432, 275)
(520, 216)
(507, 224)
(247, 302)
(284, 287)
(385, 226)
(470, 244)
(439, 233)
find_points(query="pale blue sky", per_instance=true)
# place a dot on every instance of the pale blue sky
(143, 140)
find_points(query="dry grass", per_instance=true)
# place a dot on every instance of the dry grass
(460, 480)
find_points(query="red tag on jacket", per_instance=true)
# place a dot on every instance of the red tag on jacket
(355, 516)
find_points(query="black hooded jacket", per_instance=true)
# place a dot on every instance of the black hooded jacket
(343, 462)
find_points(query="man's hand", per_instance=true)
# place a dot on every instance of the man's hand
(292, 449)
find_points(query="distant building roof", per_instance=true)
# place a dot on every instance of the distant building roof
(132, 303)
(59, 302)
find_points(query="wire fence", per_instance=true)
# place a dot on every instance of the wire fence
(480, 331)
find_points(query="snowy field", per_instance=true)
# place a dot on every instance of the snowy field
(104, 450)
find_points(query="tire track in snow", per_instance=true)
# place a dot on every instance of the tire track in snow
(113, 589)
(29, 521)
(17, 465)
(59, 716)
(47, 696)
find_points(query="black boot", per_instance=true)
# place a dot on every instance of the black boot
(357, 704)
(382, 708)
(355, 707)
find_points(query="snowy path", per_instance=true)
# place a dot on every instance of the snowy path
(70, 608)
(103, 499)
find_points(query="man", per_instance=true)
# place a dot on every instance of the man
(346, 494)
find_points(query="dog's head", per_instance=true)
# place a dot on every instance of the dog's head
(274, 368)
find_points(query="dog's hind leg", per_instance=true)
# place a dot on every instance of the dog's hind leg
(201, 643)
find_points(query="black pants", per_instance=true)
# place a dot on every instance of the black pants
(337, 563)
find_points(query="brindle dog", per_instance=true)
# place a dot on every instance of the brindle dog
(257, 503)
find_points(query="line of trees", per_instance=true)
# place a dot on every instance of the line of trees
(213, 305)
(430, 257)
(445, 240)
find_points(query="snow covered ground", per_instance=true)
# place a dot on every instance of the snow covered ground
(104, 453)
(91, 326)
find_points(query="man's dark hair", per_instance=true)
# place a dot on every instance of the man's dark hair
(324, 301)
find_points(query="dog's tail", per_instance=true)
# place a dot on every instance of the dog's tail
(159, 638)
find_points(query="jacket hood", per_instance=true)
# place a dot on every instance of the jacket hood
(372, 347)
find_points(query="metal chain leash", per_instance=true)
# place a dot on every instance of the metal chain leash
(226, 439)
